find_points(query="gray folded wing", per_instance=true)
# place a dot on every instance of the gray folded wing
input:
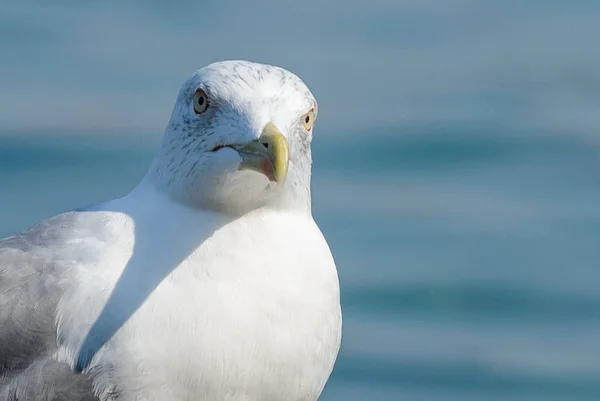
(29, 292)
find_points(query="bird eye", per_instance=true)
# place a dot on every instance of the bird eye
(200, 101)
(308, 119)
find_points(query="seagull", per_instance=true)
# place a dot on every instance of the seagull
(209, 281)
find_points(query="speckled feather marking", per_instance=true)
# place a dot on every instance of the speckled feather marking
(243, 97)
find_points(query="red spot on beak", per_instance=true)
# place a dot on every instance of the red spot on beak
(267, 168)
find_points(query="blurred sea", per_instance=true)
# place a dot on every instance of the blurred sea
(466, 227)
(468, 254)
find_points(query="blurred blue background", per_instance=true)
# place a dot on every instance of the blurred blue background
(456, 165)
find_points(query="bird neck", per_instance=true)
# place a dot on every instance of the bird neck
(296, 192)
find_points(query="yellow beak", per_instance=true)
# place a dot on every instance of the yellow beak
(268, 155)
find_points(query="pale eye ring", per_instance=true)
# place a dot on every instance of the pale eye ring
(308, 120)
(200, 101)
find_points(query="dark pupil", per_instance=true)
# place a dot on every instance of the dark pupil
(200, 100)
(307, 119)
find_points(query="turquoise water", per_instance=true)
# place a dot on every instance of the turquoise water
(468, 254)
(456, 176)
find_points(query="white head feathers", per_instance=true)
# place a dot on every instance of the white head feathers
(225, 106)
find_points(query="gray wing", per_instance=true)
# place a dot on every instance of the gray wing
(29, 292)
(47, 380)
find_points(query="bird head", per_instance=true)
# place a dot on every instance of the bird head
(238, 138)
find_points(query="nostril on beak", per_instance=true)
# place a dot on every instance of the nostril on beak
(265, 144)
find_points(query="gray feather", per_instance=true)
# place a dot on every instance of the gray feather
(47, 380)
(29, 292)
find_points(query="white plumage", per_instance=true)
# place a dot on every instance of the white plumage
(208, 281)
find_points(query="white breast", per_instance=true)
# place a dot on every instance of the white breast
(251, 314)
